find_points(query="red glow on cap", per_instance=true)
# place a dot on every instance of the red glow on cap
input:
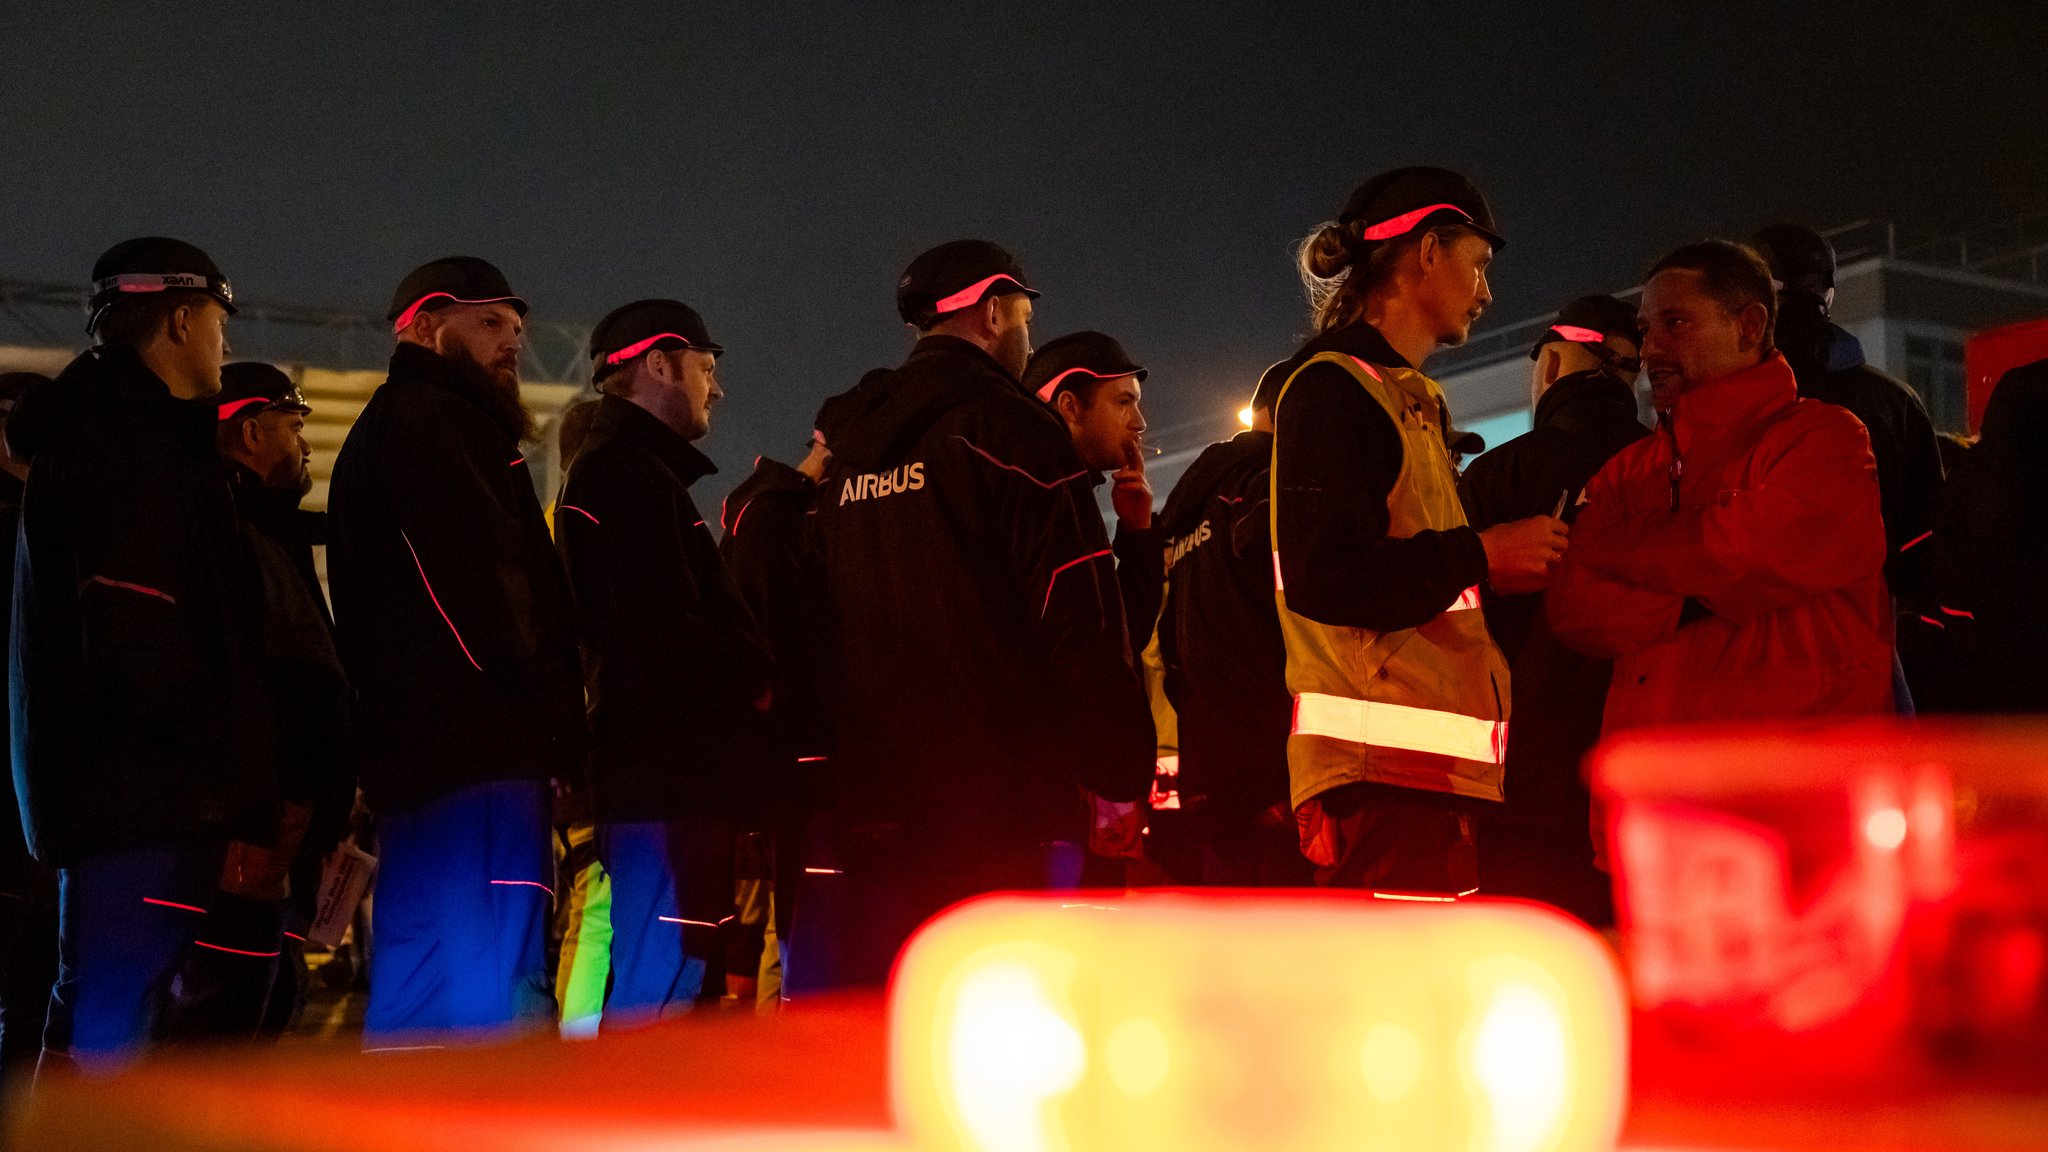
(1404, 223)
(405, 318)
(634, 349)
(227, 411)
(1578, 335)
(1053, 385)
(973, 293)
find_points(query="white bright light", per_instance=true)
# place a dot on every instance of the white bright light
(1886, 828)
(1244, 417)
(1013, 1051)
(1519, 1061)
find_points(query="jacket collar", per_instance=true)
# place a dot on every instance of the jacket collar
(1585, 401)
(622, 420)
(272, 510)
(929, 347)
(1739, 400)
(1361, 340)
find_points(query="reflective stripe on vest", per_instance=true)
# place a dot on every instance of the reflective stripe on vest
(1384, 725)
(1469, 598)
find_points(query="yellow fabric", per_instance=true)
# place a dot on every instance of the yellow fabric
(1422, 707)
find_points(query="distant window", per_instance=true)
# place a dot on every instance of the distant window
(1935, 370)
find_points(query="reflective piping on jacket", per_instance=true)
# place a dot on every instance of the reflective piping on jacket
(1948, 611)
(174, 904)
(525, 884)
(125, 586)
(1917, 539)
(584, 511)
(1047, 485)
(1054, 578)
(1383, 725)
(429, 586)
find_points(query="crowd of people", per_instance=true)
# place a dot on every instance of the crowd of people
(917, 664)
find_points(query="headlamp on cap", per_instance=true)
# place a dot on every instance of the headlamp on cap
(152, 264)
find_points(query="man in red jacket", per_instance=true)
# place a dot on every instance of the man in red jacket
(1732, 564)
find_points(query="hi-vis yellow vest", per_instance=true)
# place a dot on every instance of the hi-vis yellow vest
(1422, 707)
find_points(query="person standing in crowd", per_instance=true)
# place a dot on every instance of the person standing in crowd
(989, 717)
(676, 671)
(1732, 565)
(455, 623)
(1993, 554)
(141, 723)
(1828, 363)
(28, 888)
(1216, 670)
(245, 977)
(768, 561)
(1535, 845)
(1096, 388)
(1400, 696)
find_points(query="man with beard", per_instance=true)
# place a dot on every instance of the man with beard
(677, 672)
(1097, 389)
(457, 629)
(988, 715)
(245, 976)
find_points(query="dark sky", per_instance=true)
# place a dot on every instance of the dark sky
(777, 165)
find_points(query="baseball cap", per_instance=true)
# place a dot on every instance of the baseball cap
(450, 280)
(1089, 354)
(1462, 442)
(154, 264)
(643, 326)
(249, 387)
(1590, 320)
(1396, 203)
(1801, 259)
(955, 275)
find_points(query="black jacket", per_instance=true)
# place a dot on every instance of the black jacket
(673, 663)
(1581, 422)
(1992, 557)
(764, 522)
(981, 669)
(19, 873)
(1140, 578)
(1219, 633)
(1829, 364)
(140, 714)
(451, 610)
(1342, 460)
(315, 735)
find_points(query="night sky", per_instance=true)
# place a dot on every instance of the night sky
(776, 166)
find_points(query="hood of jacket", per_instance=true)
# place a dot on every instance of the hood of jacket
(768, 476)
(1589, 401)
(1189, 501)
(1813, 344)
(897, 406)
(104, 382)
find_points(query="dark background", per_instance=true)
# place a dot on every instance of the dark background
(776, 166)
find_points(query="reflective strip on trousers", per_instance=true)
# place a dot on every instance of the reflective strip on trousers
(1383, 725)
(1469, 598)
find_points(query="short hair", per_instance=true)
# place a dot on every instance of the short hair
(1734, 274)
(131, 321)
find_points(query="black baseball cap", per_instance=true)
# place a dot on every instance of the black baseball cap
(1462, 442)
(450, 280)
(1396, 203)
(251, 387)
(1078, 354)
(646, 325)
(154, 264)
(1590, 320)
(955, 275)
(1801, 259)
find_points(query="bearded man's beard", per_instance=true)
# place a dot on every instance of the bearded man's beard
(496, 387)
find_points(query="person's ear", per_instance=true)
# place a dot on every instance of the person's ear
(1068, 405)
(251, 434)
(179, 324)
(992, 312)
(1752, 321)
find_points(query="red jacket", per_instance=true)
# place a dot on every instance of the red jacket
(1732, 564)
